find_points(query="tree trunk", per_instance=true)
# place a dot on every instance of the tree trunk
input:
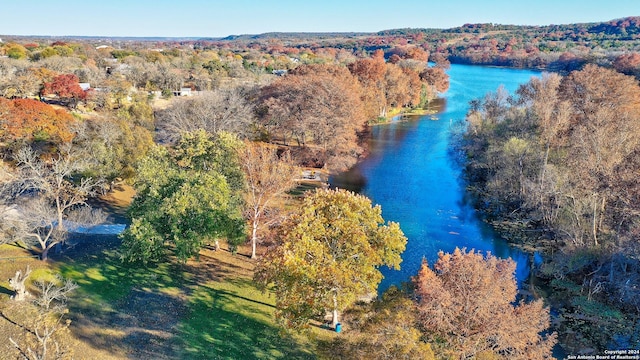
(254, 238)
(45, 253)
(595, 217)
(59, 212)
(541, 187)
(17, 284)
(334, 320)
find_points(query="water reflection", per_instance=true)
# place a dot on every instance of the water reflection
(411, 173)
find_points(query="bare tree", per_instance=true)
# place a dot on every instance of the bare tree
(46, 324)
(54, 293)
(53, 188)
(11, 224)
(39, 224)
(17, 284)
(214, 111)
(268, 176)
(62, 65)
(41, 342)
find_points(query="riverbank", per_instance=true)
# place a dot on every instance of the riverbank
(571, 280)
(396, 114)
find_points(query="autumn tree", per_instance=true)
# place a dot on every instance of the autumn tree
(317, 104)
(397, 87)
(602, 132)
(398, 83)
(184, 200)
(385, 328)
(437, 81)
(417, 53)
(628, 64)
(371, 76)
(328, 255)
(551, 116)
(67, 88)
(15, 51)
(466, 306)
(268, 176)
(31, 120)
(554, 155)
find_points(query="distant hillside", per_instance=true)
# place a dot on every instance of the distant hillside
(555, 47)
(294, 35)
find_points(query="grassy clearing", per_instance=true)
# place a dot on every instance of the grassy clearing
(205, 309)
(14, 315)
(232, 320)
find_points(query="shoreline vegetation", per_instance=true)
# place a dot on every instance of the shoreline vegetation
(400, 114)
(535, 177)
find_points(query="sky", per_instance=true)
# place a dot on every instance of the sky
(215, 18)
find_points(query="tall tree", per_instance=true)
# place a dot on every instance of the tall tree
(466, 306)
(115, 144)
(371, 75)
(268, 176)
(183, 201)
(436, 79)
(328, 256)
(319, 103)
(602, 132)
(397, 87)
(551, 116)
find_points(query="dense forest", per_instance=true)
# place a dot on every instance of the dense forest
(224, 146)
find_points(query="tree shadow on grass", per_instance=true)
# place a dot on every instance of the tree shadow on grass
(124, 309)
(4, 290)
(200, 310)
(232, 320)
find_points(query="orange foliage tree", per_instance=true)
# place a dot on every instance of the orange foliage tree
(436, 79)
(371, 75)
(320, 103)
(466, 307)
(398, 83)
(628, 64)
(29, 120)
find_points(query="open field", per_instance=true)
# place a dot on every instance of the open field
(205, 309)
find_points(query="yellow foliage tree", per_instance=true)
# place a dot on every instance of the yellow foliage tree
(328, 256)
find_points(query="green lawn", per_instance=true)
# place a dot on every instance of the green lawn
(208, 309)
(233, 320)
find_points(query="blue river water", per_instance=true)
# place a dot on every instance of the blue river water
(412, 174)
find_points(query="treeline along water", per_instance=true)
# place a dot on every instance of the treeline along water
(411, 173)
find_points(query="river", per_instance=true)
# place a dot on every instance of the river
(412, 174)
